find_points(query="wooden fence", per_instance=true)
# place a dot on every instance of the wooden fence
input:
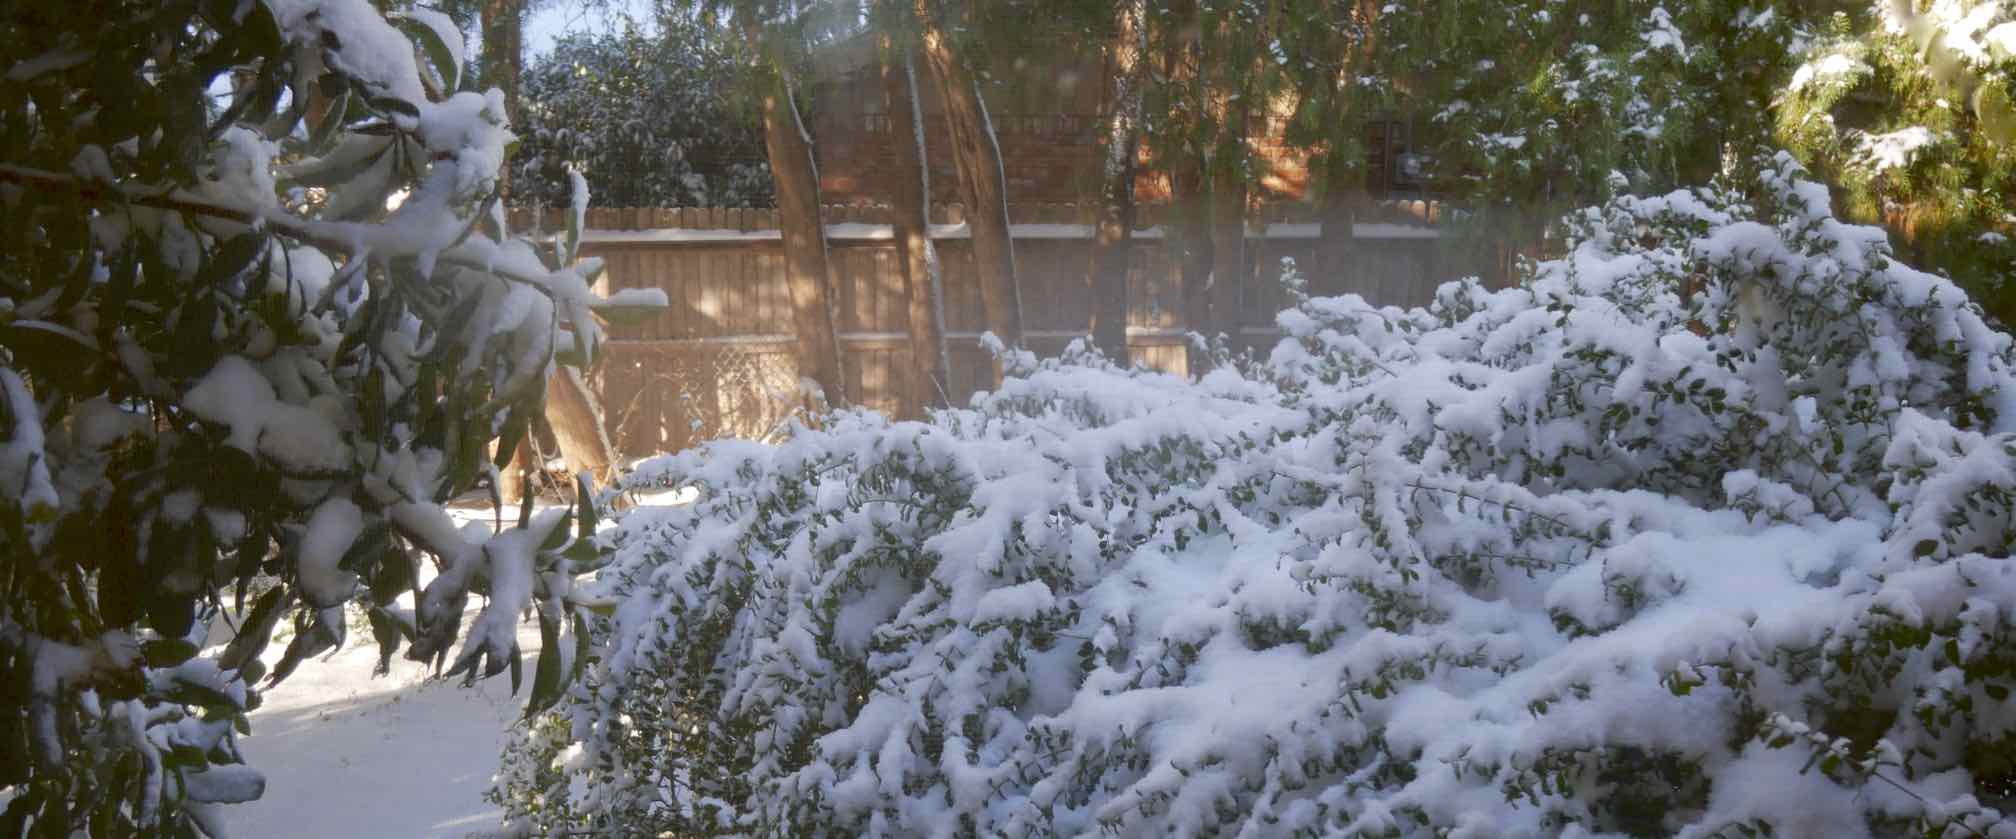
(721, 360)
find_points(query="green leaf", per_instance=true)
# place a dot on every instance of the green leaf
(1995, 691)
(167, 652)
(580, 648)
(517, 668)
(385, 630)
(584, 506)
(333, 118)
(435, 48)
(233, 257)
(342, 164)
(557, 537)
(394, 105)
(546, 679)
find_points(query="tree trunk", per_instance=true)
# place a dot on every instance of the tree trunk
(503, 25)
(1343, 179)
(1228, 248)
(805, 264)
(1192, 241)
(1189, 238)
(1113, 242)
(576, 418)
(1227, 99)
(982, 183)
(516, 475)
(910, 202)
(1337, 220)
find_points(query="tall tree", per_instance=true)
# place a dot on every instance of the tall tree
(910, 199)
(1174, 138)
(503, 29)
(1113, 239)
(807, 272)
(1328, 47)
(1229, 92)
(982, 182)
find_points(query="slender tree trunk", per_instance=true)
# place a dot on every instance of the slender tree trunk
(1344, 195)
(1188, 237)
(516, 475)
(1337, 220)
(1227, 99)
(805, 263)
(1192, 241)
(503, 25)
(911, 203)
(1228, 247)
(576, 417)
(982, 183)
(1113, 241)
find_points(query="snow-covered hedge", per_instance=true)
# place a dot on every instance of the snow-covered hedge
(1703, 530)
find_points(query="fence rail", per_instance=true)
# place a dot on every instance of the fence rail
(1424, 211)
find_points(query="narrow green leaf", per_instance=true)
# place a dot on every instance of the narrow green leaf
(546, 679)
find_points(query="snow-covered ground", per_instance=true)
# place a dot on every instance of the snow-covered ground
(401, 755)
(347, 755)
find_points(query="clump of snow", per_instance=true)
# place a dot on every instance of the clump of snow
(1832, 68)
(237, 395)
(1894, 149)
(329, 534)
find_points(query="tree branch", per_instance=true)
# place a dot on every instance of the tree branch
(321, 234)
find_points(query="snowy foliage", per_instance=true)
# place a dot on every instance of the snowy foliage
(1702, 530)
(1907, 108)
(647, 114)
(1540, 101)
(258, 320)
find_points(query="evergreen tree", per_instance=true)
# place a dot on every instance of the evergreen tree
(652, 114)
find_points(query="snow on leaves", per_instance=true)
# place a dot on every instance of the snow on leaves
(1717, 503)
(259, 320)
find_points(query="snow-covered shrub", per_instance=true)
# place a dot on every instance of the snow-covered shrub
(258, 318)
(1703, 530)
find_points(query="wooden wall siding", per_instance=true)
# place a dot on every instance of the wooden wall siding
(721, 361)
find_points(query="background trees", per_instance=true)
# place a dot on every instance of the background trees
(259, 319)
(652, 113)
